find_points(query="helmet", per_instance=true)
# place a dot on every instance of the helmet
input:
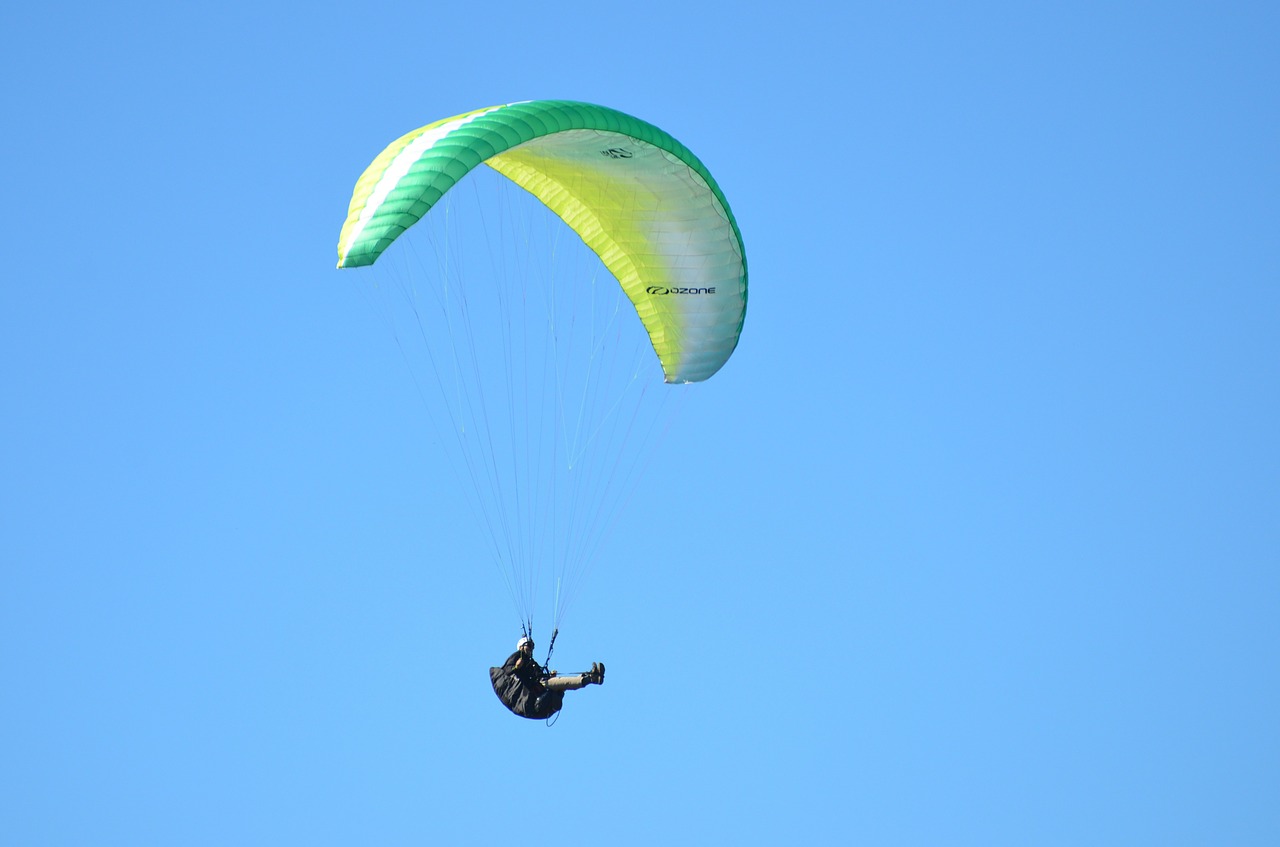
(524, 639)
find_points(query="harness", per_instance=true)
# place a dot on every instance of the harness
(546, 668)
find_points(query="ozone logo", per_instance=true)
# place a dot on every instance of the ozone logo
(662, 290)
(616, 153)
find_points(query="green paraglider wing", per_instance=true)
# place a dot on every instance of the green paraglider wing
(641, 200)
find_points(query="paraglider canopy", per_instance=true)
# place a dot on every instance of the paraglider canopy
(640, 199)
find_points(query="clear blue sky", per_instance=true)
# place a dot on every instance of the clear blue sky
(986, 551)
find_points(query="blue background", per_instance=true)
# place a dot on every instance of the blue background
(984, 552)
